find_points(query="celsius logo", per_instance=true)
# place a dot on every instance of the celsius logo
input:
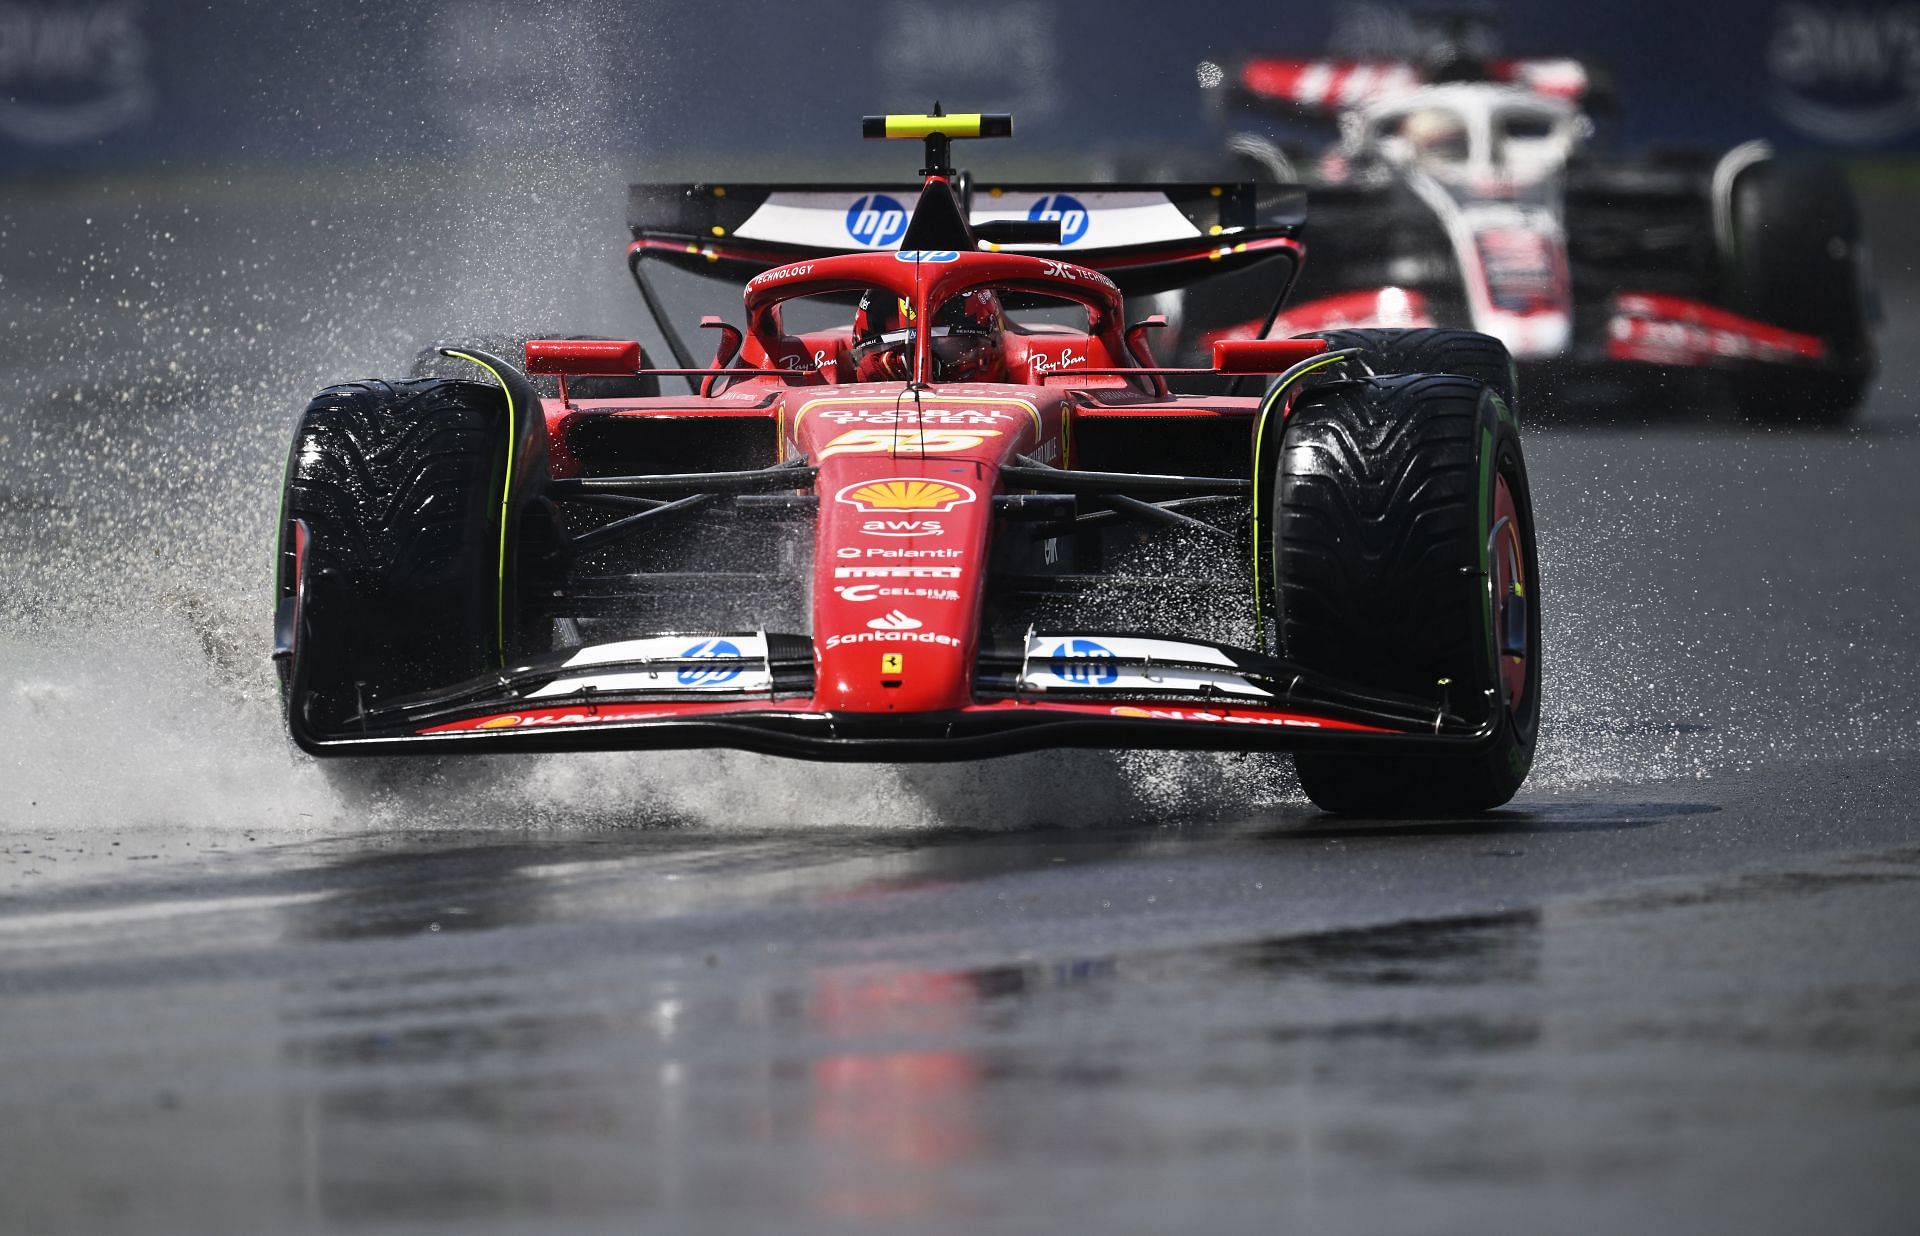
(876, 220)
(894, 620)
(696, 676)
(1084, 662)
(1071, 215)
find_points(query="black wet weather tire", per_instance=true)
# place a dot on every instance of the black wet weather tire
(1432, 349)
(1384, 515)
(1797, 261)
(399, 486)
(428, 363)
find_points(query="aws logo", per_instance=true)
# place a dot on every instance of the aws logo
(904, 527)
(876, 220)
(1067, 210)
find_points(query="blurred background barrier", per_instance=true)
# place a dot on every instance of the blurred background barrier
(92, 84)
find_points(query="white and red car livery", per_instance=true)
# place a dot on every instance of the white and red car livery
(1477, 195)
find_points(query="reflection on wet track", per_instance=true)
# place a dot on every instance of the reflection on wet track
(965, 1028)
(890, 1079)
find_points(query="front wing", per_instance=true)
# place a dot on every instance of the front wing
(1051, 691)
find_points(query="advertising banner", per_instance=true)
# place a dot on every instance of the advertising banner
(88, 84)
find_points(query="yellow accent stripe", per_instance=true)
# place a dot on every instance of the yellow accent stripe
(1267, 405)
(960, 124)
(280, 537)
(506, 491)
(986, 402)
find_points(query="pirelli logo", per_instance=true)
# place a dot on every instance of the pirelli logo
(896, 572)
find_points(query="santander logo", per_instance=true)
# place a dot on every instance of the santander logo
(894, 621)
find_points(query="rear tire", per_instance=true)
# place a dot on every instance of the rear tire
(1467, 353)
(399, 485)
(1402, 510)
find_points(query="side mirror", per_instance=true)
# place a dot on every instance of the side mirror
(1263, 355)
(723, 354)
(1142, 351)
(608, 358)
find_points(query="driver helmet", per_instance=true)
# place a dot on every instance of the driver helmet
(1436, 132)
(882, 338)
(968, 341)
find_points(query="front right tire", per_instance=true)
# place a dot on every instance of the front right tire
(399, 486)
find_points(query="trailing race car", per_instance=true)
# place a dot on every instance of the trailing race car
(1467, 192)
(962, 515)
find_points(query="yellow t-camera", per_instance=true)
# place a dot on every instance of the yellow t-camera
(959, 124)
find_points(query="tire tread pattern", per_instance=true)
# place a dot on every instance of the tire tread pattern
(398, 484)
(1377, 501)
(1378, 558)
(1467, 353)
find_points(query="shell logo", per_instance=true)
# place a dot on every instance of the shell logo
(905, 494)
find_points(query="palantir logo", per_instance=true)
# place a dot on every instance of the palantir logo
(697, 676)
(1084, 663)
(1065, 208)
(876, 220)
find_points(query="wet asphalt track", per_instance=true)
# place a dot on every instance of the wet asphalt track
(1674, 988)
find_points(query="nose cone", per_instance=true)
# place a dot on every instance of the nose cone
(1531, 336)
(906, 488)
(901, 555)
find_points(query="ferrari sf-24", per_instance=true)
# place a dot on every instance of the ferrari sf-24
(935, 500)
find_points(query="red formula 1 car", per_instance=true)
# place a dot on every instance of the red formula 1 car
(935, 501)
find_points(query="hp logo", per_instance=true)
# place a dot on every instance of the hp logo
(693, 676)
(1067, 209)
(876, 221)
(1084, 662)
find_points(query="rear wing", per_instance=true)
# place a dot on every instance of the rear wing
(1323, 87)
(1145, 237)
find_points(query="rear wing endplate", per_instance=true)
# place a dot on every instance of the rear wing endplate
(1325, 87)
